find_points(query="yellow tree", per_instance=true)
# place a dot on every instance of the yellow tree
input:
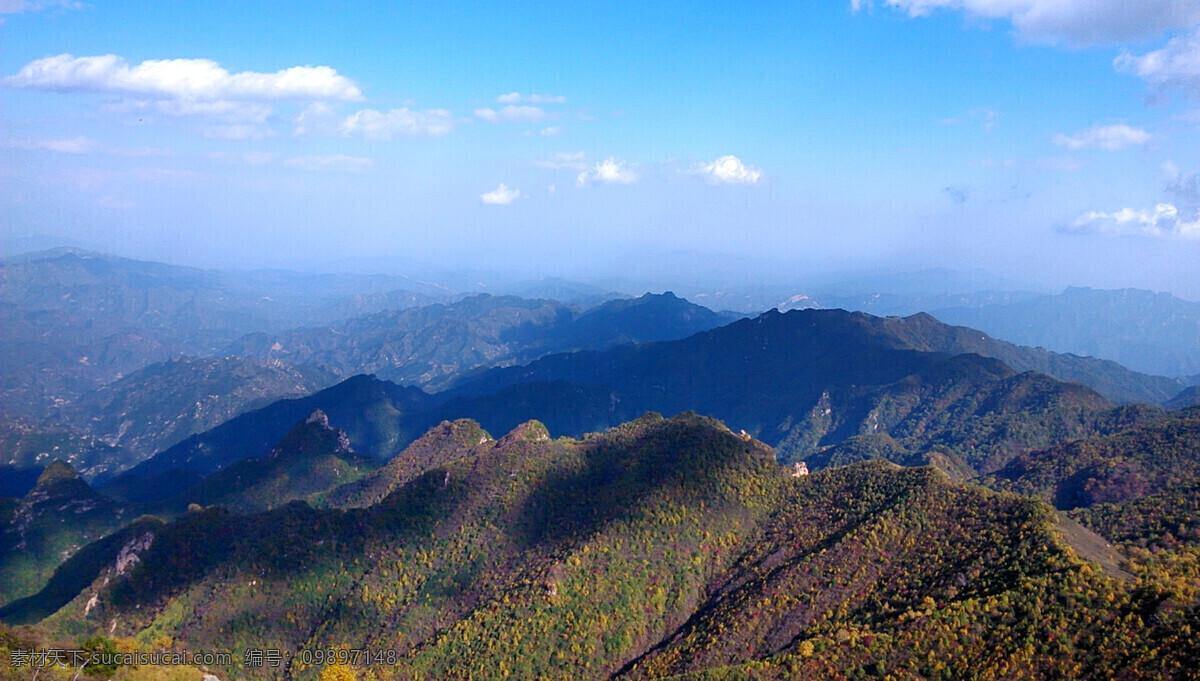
(338, 672)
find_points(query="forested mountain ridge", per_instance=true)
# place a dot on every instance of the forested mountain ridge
(376, 415)
(660, 547)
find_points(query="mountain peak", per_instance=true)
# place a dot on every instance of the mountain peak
(530, 431)
(57, 471)
(319, 417)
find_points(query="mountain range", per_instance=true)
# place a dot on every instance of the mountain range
(863, 496)
(1154, 333)
(661, 547)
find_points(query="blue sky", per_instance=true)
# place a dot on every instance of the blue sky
(1050, 141)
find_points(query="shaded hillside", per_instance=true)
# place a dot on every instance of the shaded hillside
(443, 444)
(60, 515)
(1186, 398)
(376, 416)
(161, 404)
(976, 425)
(659, 547)
(310, 460)
(433, 345)
(1151, 332)
(1117, 383)
(802, 382)
(1140, 485)
(109, 557)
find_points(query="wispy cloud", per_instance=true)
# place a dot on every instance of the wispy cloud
(237, 131)
(512, 114)
(22, 6)
(517, 98)
(608, 171)
(64, 145)
(1175, 65)
(382, 126)
(727, 170)
(500, 196)
(1107, 137)
(253, 158)
(1080, 22)
(335, 163)
(564, 160)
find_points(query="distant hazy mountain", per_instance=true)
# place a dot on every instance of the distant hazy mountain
(900, 293)
(574, 293)
(161, 404)
(1151, 332)
(924, 332)
(30, 445)
(433, 345)
(1186, 398)
(74, 321)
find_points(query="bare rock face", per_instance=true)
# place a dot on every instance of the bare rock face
(799, 469)
(319, 417)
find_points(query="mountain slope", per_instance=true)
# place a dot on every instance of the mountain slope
(375, 415)
(659, 547)
(924, 332)
(161, 404)
(1139, 485)
(55, 519)
(433, 345)
(309, 461)
(803, 382)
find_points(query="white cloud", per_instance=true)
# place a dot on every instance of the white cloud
(565, 160)
(1081, 22)
(1176, 64)
(377, 125)
(608, 171)
(517, 98)
(727, 170)
(550, 131)
(186, 79)
(500, 196)
(512, 114)
(1107, 137)
(336, 163)
(1163, 221)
